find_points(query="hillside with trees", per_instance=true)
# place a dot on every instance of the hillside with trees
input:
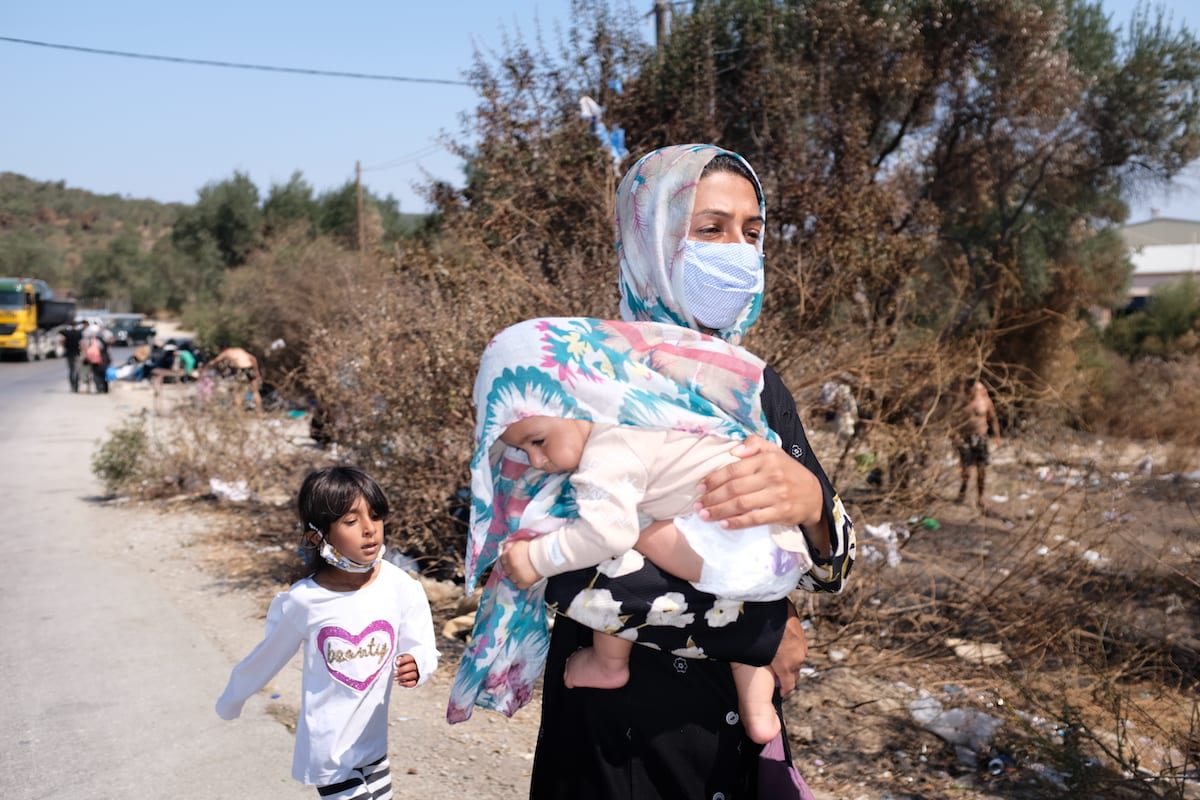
(47, 227)
(124, 253)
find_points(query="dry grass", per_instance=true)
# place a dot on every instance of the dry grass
(1089, 588)
(1150, 399)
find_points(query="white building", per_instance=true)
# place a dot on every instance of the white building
(1162, 251)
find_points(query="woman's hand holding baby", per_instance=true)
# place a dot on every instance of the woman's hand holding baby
(765, 486)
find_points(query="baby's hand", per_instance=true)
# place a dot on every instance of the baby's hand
(517, 566)
(407, 673)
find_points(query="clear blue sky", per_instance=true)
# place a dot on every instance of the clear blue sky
(162, 130)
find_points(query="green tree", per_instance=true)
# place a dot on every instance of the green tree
(226, 217)
(289, 204)
(24, 253)
(337, 216)
(108, 274)
(392, 222)
(1172, 313)
(172, 279)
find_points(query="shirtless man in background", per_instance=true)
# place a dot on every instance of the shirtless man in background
(977, 417)
(243, 365)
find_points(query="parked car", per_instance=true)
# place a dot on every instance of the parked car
(130, 329)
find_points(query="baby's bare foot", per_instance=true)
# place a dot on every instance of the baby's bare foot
(588, 669)
(760, 721)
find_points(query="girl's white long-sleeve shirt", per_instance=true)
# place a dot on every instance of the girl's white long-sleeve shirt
(351, 641)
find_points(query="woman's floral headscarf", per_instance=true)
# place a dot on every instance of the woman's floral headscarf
(642, 374)
(653, 215)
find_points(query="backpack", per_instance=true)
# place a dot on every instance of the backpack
(92, 354)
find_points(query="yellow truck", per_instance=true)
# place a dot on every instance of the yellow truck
(29, 317)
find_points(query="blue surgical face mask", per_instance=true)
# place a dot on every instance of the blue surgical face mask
(720, 280)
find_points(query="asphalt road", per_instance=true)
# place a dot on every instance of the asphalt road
(110, 671)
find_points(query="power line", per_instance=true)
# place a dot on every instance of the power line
(400, 161)
(232, 64)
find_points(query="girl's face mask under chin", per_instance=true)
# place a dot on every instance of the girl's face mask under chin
(336, 559)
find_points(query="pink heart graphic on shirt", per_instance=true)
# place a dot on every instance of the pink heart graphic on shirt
(372, 658)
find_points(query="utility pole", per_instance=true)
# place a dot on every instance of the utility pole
(662, 11)
(358, 203)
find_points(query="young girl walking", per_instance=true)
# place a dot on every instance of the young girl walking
(362, 622)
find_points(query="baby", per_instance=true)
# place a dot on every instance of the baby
(634, 416)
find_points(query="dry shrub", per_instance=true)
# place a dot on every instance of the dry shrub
(122, 458)
(1181, 459)
(907, 393)
(287, 292)
(393, 374)
(219, 440)
(1147, 398)
(530, 235)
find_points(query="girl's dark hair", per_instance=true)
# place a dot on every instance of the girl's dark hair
(328, 493)
(728, 162)
(325, 497)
